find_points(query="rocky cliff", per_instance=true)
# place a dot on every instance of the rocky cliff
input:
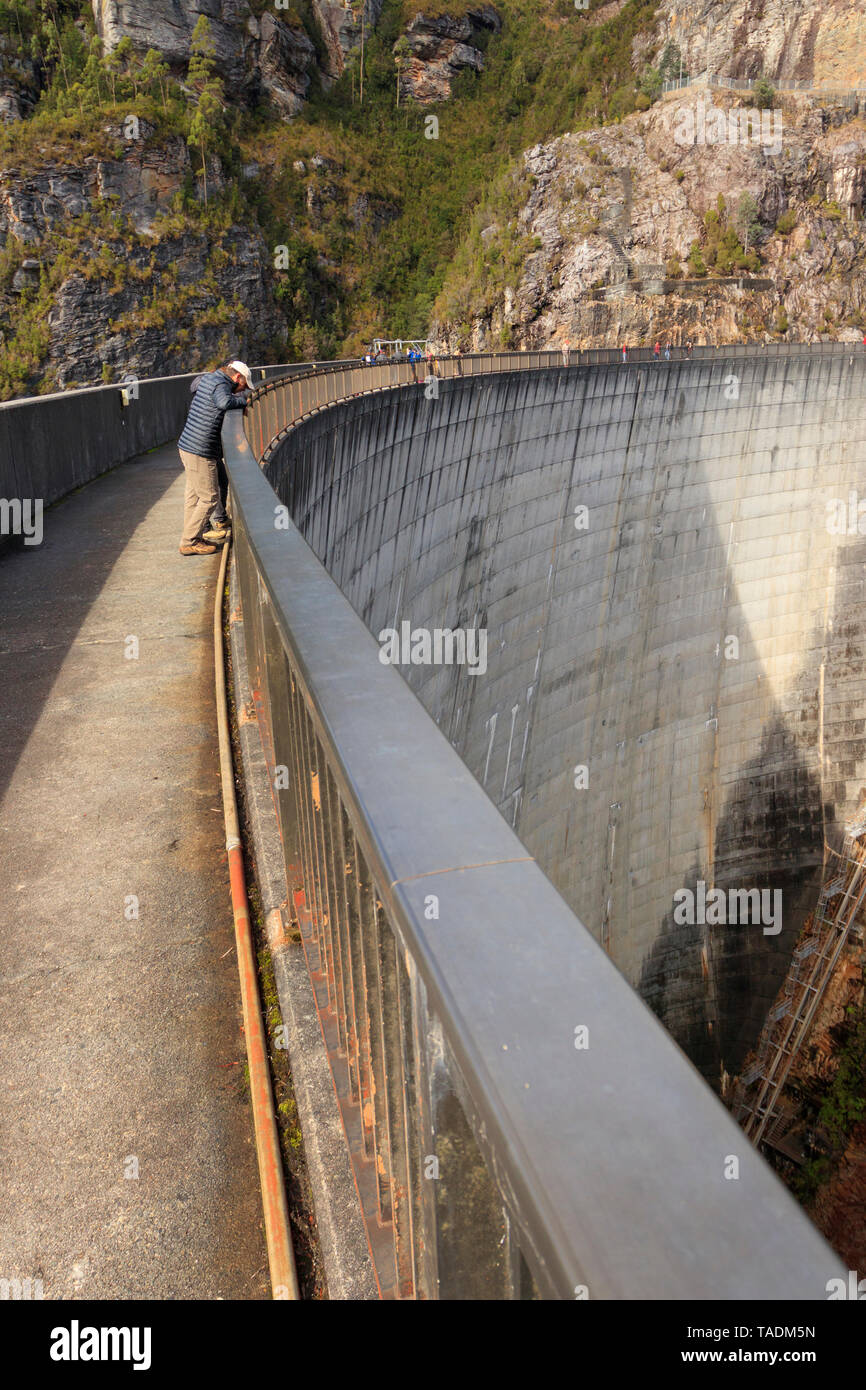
(340, 24)
(124, 283)
(598, 239)
(20, 81)
(442, 46)
(254, 55)
(600, 236)
(791, 40)
(264, 54)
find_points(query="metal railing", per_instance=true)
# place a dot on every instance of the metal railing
(280, 404)
(519, 1123)
(759, 1103)
(781, 84)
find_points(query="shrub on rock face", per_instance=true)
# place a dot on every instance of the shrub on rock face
(696, 260)
(746, 220)
(786, 223)
(763, 94)
(671, 63)
(651, 84)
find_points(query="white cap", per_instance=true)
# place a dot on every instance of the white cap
(244, 371)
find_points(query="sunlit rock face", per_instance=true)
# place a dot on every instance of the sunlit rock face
(341, 29)
(592, 208)
(254, 56)
(794, 40)
(442, 46)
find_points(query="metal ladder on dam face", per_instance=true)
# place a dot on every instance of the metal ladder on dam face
(759, 1105)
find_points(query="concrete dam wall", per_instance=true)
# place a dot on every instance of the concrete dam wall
(666, 607)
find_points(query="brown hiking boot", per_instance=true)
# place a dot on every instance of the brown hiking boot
(199, 548)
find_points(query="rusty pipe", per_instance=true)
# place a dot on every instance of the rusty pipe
(281, 1259)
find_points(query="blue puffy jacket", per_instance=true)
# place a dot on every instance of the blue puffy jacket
(213, 397)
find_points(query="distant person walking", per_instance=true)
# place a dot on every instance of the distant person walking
(625, 352)
(200, 446)
(459, 359)
(667, 352)
(657, 351)
(689, 346)
(566, 352)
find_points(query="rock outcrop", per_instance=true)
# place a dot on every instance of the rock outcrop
(167, 25)
(340, 26)
(98, 330)
(253, 55)
(183, 297)
(372, 215)
(783, 39)
(285, 58)
(20, 81)
(143, 181)
(603, 215)
(441, 47)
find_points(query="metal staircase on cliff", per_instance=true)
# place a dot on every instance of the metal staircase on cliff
(758, 1102)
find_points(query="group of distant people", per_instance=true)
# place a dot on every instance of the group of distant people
(659, 351)
(412, 355)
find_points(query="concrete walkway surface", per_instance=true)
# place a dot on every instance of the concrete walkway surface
(126, 1139)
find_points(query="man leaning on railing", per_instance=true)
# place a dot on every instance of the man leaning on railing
(200, 448)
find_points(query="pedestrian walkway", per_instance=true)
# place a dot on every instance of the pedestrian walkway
(126, 1139)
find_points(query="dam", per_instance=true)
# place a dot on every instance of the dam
(674, 694)
(468, 899)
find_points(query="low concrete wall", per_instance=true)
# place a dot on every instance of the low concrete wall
(50, 445)
(706, 487)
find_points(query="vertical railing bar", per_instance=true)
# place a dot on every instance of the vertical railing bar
(340, 923)
(425, 1247)
(372, 1008)
(397, 1134)
(295, 786)
(326, 853)
(308, 737)
(352, 1049)
(303, 791)
(359, 987)
(409, 1094)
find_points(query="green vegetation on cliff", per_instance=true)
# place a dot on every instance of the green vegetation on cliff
(362, 235)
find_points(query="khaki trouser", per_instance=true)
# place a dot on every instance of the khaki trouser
(201, 496)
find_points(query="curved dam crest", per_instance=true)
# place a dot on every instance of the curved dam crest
(609, 633)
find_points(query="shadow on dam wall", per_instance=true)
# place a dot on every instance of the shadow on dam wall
(647, 549)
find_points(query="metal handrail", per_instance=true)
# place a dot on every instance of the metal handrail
(560, 1170)
(276, 406)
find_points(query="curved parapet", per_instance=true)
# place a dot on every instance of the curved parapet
(526, 1120)
(673, 693)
